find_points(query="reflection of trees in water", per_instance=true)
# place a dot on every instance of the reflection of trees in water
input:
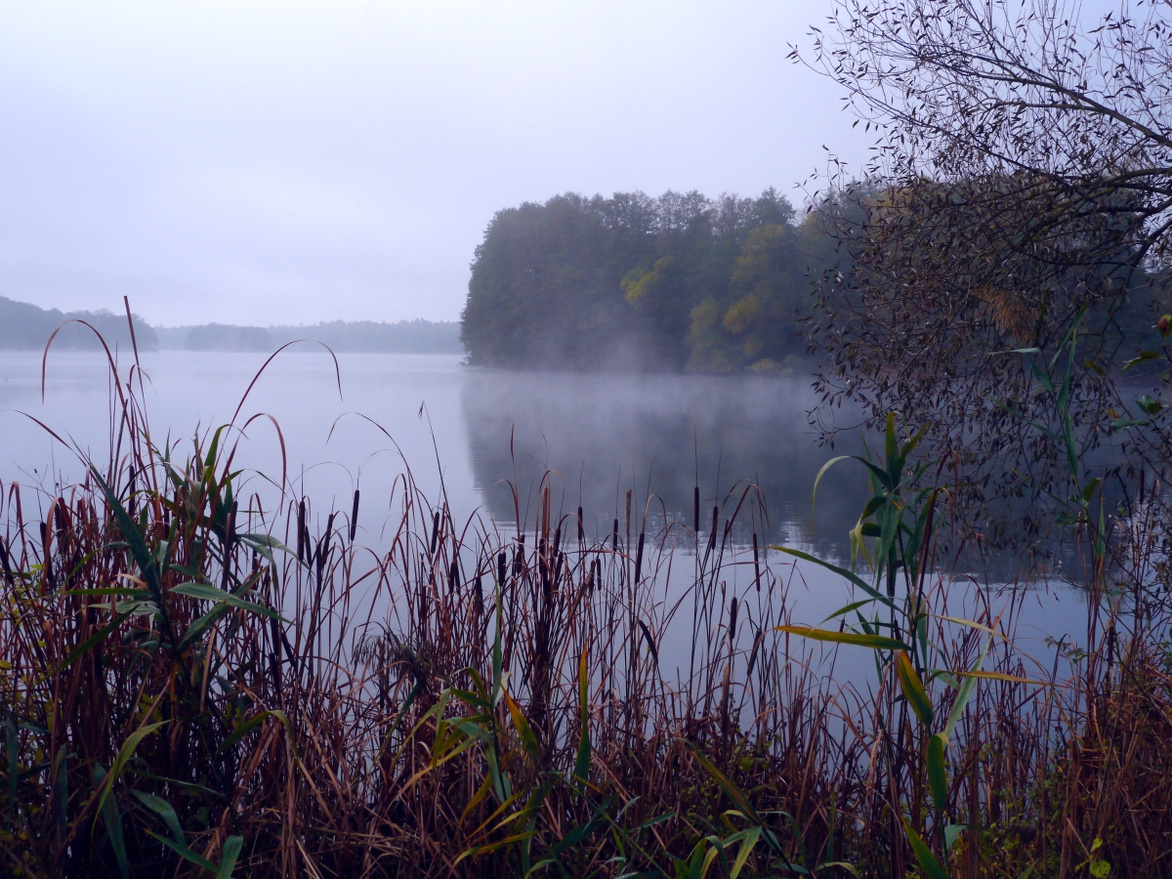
(659, 436)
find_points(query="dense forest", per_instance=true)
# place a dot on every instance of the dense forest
(633, 282)
(25, 326)
(684, 282)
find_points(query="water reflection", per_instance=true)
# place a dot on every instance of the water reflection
(482, 433)
(659, 437)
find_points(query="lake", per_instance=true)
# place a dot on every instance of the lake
(479, 433)
(485, 441)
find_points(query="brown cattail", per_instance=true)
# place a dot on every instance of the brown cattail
(301, 535)
(46, 544)
(756, 564)
(650, 640)
(519, 555)
(61, 517)
(753, 653)
(230, 524)
(4, 561)
(639, 558)
(131, 490)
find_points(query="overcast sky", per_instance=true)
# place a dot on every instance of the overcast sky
(292, 162)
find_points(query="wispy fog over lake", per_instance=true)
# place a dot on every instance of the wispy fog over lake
(485, 442)
(659, 436)
(473, 434)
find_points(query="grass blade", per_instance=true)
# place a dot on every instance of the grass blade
(913, 688)
(859, 639)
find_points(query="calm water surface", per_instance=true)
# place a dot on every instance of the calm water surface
(485, 440)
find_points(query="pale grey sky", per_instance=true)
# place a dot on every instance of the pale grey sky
(291, 162)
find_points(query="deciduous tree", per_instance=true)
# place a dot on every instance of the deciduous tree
(1020, 197)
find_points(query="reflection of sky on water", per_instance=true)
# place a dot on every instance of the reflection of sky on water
(742, 441)
(331, 444)
(473, 435)
(658, 437)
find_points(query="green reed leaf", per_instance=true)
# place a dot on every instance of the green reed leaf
(928, 861)
(228, 856)
(913, 688)
(859, 639)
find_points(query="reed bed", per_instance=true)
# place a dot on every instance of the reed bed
(193, 685)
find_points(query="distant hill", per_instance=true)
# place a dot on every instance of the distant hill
(25, 326)
(404, 337)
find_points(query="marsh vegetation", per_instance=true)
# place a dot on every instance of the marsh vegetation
(201, 677)
(197, 681)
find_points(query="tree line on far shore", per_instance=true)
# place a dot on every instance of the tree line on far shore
(26, 326)
(405, 337)
(678, 282)
(730, 285)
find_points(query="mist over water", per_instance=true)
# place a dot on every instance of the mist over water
(742, 440)
(485, 442)
(294, 426)
(468, 436)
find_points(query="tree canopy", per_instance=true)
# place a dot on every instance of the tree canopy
(26, 326)
(634, 282)
(1021, 198)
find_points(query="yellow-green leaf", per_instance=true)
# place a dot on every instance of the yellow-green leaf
(875, 642)
(913, 688)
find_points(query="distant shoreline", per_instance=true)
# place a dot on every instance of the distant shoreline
(24, 326)
(402, 337)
